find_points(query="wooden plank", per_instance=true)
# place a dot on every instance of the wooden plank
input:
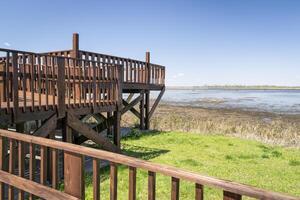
(113, 181)
(132, 183)
(132, 109)
(231, 196)
(130, 105)
(117, 129)
(3, 163)
(96, 179)
(32, 89)
(151, 185)
(11, 169)
(32, 165)
(142, 112)
(54, 167)
(43, 168)
(48, 127)
(61, 88)
(15, 86)
(88, 132)
(33, 187)
(24, 82)
(74, 183)
(21, 165)
(156, 102)
(175, 189)
(198, 192)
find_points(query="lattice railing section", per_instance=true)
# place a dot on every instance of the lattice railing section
(34, 150)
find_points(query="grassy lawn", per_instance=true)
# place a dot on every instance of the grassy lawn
(250, 162)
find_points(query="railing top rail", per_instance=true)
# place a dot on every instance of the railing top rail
(234, 187)
(106, 55)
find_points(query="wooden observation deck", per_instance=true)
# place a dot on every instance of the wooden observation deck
(60, 87)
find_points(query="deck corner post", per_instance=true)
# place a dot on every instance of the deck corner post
(15, 86)
(75, 48)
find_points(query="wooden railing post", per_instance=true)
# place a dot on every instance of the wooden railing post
(151, 185)
(3, 163)
(61, 88)
(198, 192)
(175, 189)
(132, 183)
(113, 181)
(75, 49)
(147, 100)
(74, 174)
(231, 196)
(15, 86)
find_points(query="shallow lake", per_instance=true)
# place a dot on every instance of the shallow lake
(277, 101)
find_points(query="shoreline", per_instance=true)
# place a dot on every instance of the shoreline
(266, 127)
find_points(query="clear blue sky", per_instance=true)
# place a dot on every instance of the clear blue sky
(200, 42)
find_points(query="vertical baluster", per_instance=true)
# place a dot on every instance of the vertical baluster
(53, 82)
(151, 185)
(32, 77)
(94, 84)
(175, 189)
(43, 172)
(84, 83)
(31, 165)
(69, 83)
(231, 196)
(132, 183)
(46, 81)
(7, 75)
(113, 181)
(24, 83)
(198, 192)
(96, 179)
(15, 89)
(12, 164)
(21, 166)
(74, 82)
(3, 163)
(39, 81)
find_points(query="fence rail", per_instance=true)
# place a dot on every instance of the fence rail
(74, 179)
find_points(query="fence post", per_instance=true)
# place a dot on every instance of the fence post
(147, 92)
(75, 49)
(74, 174)
(61, 88)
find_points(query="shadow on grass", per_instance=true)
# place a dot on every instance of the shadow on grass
(144, 153)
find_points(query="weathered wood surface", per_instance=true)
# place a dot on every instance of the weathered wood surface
(33, 187)
(233, 190)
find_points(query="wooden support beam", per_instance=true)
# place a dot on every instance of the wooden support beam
(75, 49)
(142, 112)
(130, 105)
(133, 110)
(129, 97)
(147, 96)
(117, 129)
(47, 128)
(156, 102)
(88, 132)
(61, 90)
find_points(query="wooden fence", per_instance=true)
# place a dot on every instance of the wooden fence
(12, 144)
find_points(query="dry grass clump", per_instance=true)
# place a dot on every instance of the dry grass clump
(266, 127)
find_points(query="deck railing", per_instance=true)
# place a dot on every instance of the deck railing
(74, 185)
(135, 71)
(31, 82)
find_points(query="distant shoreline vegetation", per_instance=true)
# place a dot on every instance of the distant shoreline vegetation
(233, 87)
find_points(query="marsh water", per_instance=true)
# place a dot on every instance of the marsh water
(276, 101)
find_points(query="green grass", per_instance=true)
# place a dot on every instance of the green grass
(245, 161)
